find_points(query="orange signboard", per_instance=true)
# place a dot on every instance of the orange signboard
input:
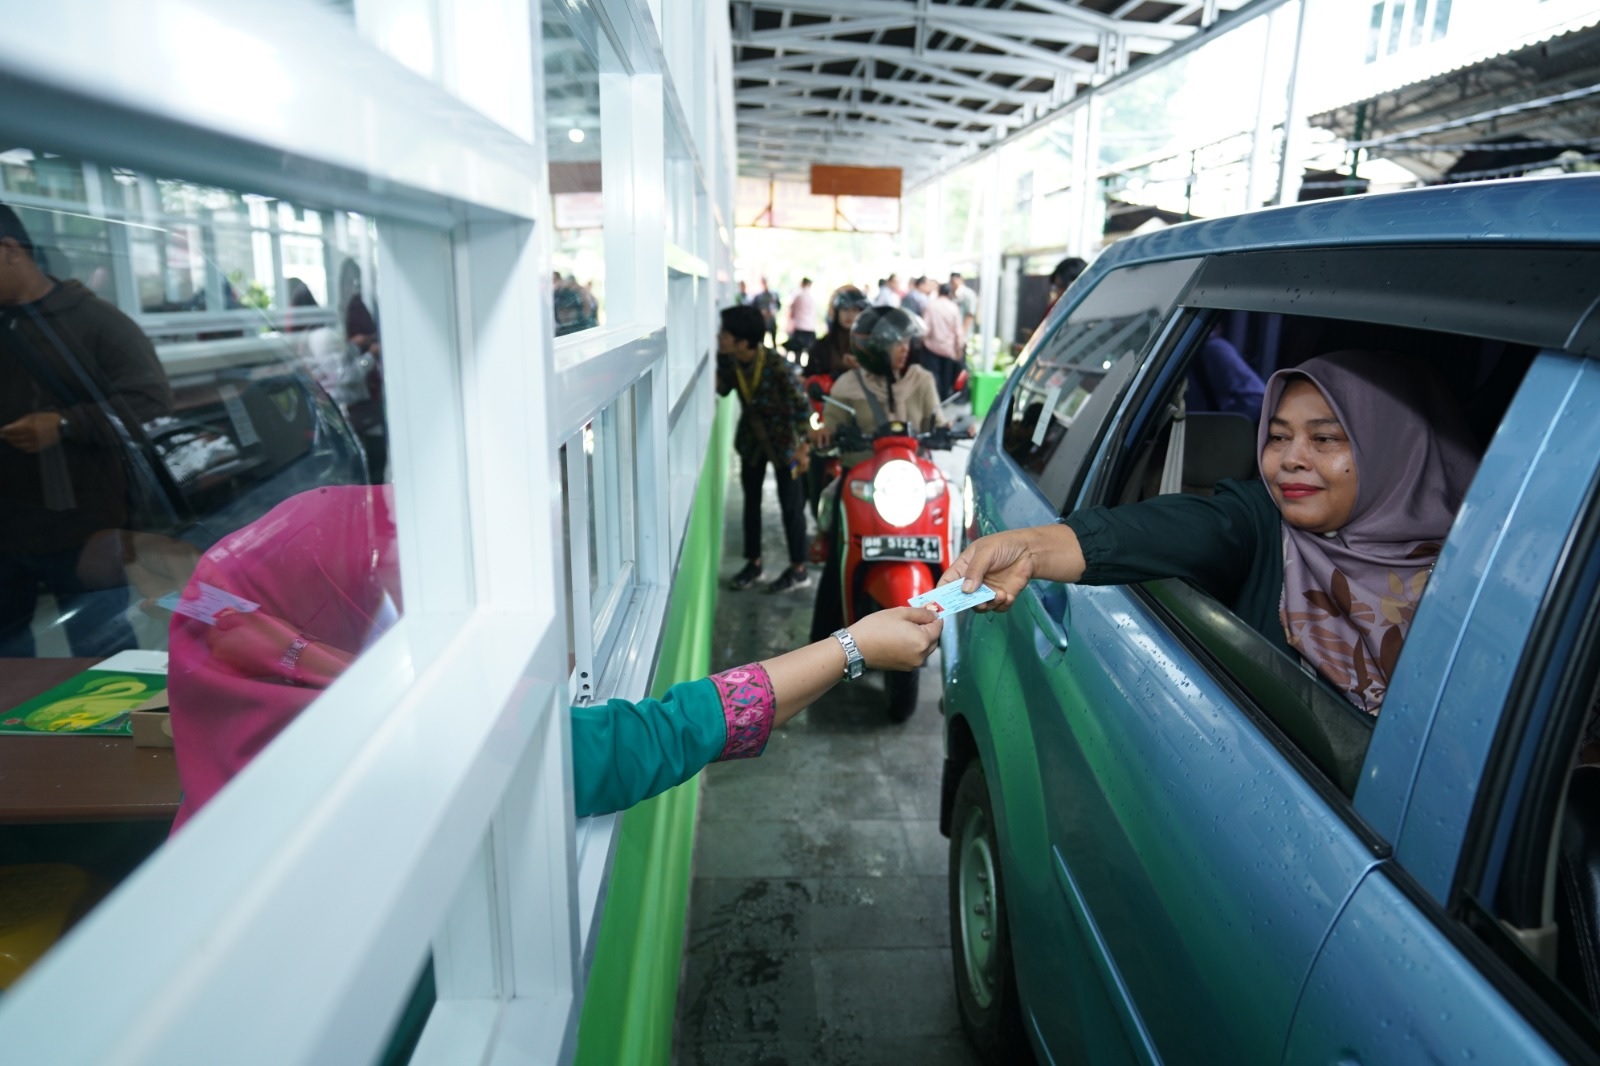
(855, 181)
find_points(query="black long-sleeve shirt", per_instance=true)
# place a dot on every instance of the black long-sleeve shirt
(76, 355)
(1230, 545)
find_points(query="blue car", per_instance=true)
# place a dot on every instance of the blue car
(1170, 841)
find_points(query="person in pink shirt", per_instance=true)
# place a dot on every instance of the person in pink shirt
(942, 343)
(802, 320)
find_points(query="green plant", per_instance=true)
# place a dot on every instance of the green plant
(251, 293)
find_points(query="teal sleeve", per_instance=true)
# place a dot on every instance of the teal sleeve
(624, 752)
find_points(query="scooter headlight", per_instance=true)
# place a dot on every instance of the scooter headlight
(898, 492)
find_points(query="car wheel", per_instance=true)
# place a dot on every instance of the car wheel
(980, 937)
(902, 686)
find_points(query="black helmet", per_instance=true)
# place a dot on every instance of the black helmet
(846, 298)
(877, 331)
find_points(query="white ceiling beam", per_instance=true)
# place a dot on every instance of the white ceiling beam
(802, 148)
(961, 21)
(1005, 64)
(920, 90)
(1059, 10)
(1053, 60)
(801, 35)
(910, 131)
(971, 137)
(912, 141)
(1111, 23)
(955, 77)
(918, 108)
(915, 94)
(1016, 23)
(780, 68)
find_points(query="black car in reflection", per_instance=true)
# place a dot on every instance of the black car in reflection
(246, 433)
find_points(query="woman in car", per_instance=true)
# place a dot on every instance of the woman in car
(1364, 459)
(317, 580)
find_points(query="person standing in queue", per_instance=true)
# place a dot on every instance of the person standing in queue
(774, 420)
(78, 379)
(967, 301)
(802, 331)
(1062, 277)
(766, 301)
(884, 387)
(942, 344)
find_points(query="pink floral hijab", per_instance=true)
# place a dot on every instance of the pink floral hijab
(1349, 596)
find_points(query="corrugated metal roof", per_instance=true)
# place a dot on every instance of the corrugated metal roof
(1446, 61)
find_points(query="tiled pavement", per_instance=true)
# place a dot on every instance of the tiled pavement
(818, 921)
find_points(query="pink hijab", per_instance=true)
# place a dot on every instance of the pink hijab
(324, 562)
(1349, 596)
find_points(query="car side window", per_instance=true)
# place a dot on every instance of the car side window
(1083, 367)
(1316, 721)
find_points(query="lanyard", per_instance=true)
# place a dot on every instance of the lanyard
(747, 389)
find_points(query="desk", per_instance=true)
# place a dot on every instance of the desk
(77, 779)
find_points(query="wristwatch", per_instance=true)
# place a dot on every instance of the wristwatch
(854, 664)
(63, 425)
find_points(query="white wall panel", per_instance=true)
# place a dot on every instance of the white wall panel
(423, 804)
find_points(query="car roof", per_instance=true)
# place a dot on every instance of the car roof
(1559, 211)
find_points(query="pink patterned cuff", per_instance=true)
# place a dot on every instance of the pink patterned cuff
(748, 704)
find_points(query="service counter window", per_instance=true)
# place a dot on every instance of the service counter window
(197, 536)
(574, 56)
(600, 505)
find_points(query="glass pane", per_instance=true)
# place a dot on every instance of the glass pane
(1095, 350)
(577, 202)
(26, 173)
(196, 537)
(611, 500)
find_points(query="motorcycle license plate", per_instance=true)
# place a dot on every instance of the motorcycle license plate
(916, 549)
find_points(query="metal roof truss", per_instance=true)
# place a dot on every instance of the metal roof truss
(921, 84)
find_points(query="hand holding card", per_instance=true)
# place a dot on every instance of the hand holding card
(207, 605)
(949, 599)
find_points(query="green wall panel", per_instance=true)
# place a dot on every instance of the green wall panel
(632, 996)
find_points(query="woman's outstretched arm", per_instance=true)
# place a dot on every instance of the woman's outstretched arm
(899, 639)
(1007, 561)
(626, 751)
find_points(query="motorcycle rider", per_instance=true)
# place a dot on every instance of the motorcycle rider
(830, 357)
(883, 387)
(830, 354)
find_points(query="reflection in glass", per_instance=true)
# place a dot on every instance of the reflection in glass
(192, 451)
(577, 203)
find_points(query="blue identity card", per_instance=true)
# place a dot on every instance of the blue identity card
(949, 599)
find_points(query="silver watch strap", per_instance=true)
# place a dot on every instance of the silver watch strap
(854, 664)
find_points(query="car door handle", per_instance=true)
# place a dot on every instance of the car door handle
(1049, 634)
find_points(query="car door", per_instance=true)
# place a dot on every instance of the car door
(1437, 956)
(1035, 446)
(1199, 856)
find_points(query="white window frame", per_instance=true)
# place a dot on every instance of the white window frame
(423, 804)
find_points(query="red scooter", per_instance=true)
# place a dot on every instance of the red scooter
(895, 529)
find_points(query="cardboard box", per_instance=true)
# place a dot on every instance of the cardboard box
(152, 725)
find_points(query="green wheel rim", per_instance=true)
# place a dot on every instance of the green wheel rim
(975, 883)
